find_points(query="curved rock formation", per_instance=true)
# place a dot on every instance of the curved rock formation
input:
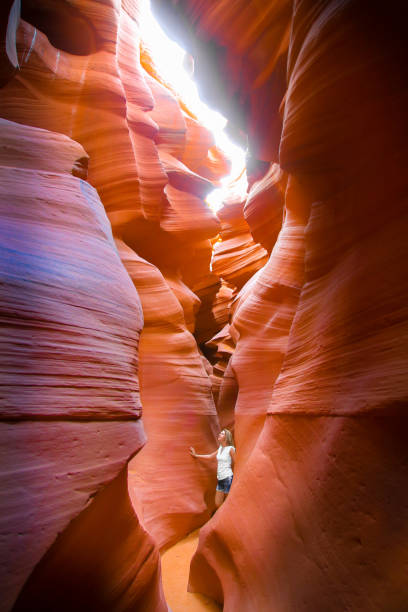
(236, 257)
(197, 274)
(71, 409)
(261, 320)
(70, 402)
(263, 210)
(324, 475)
(296, 295)
(171, 492)
(83, 570)
(223, 378)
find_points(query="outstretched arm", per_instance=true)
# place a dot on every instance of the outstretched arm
(194, 454)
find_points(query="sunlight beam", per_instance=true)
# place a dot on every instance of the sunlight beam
(168, 58)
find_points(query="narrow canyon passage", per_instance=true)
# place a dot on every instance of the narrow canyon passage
(175, 563)
(170, 269)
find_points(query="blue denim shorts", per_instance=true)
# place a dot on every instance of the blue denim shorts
(224, 485)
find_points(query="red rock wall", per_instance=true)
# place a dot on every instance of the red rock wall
(263, 210)
(236, 257)
(311, 305)
(171, 493)
(316, 518)
(261, 320)
(71, 408)
(83, 570)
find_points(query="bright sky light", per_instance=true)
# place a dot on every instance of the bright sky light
(168, 57)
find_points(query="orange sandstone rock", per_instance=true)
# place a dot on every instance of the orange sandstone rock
(201, 154)
(172, 492)
(167, 114)
(205, 284)
(236, 257)
(67, 282)
(263, 209)
(188, 300)
(55, 208)
(56, 90)
(223, 377)
(70, 404)
(324, 475)
(59, 90)
(187, 216)
(261, 320)
(182, 178)
(85, 569)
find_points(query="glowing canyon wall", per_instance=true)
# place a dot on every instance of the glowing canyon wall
(136, 322)
(316, 518)
(105, 235)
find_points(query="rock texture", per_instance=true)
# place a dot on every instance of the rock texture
(261, 320)
(236, 257)
(83, 570)
(263, 210)
(223, 378)
(321, 392)
(70, 399)
(178, 409)
(70, 403)
(295, 293)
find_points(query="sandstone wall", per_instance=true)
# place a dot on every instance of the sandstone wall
(93, 146)
(171, 493)
(70, 406)
(297, 294)
(316, 518)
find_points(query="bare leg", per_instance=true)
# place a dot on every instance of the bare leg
(219, 498)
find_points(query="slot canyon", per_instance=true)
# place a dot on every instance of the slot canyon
(137, 321)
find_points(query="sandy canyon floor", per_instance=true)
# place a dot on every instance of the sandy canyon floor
(175, 570)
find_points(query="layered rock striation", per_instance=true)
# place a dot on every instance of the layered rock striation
(178, 407)
(122, 292)
(317, 512)
(95, 149)
(70, 415)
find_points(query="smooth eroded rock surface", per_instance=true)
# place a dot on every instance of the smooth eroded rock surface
(70, 405)
(288, 309)
(72, 314)
(171, 491)
(83, 570)
(317, 511)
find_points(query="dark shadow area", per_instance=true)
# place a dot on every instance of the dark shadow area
(97, 564)
(64, 25)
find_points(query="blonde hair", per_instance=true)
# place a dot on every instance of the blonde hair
(229, 438)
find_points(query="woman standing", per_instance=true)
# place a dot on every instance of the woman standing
(225, 464)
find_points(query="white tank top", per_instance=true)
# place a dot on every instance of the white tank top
(224, 462)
